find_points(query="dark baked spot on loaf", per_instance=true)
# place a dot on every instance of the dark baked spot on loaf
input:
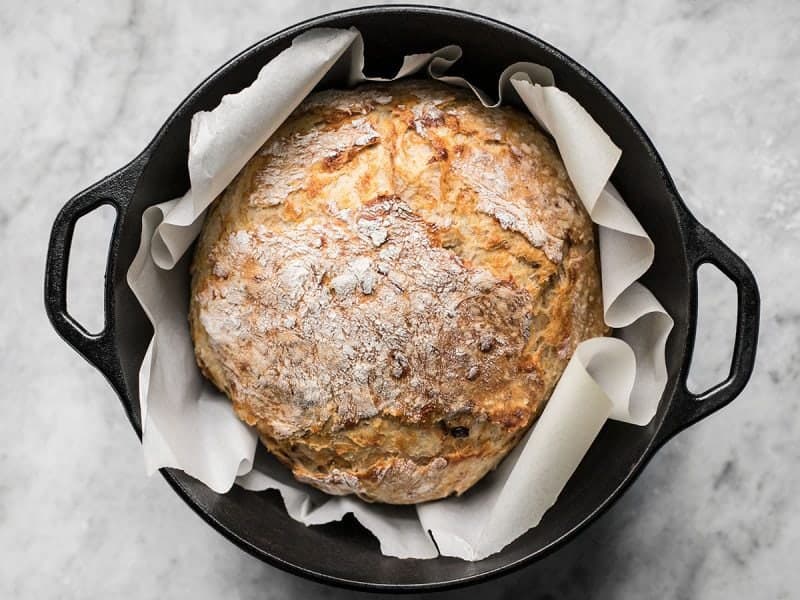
(399, 364)
(459, 432)
(439, 154)
(486, 343)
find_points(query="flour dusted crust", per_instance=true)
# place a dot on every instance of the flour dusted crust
(391, 287)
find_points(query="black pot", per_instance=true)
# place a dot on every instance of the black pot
(344, 553)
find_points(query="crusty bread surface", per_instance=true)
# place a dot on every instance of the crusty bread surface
(391, 287)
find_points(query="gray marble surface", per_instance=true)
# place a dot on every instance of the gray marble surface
(85, 86)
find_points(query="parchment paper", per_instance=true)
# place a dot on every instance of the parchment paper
(190, 425)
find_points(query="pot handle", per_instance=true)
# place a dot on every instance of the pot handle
(705, 247)
(116, 190)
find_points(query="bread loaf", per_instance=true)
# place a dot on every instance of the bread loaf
(391, 287)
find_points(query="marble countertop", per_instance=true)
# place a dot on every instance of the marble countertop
(85, 87)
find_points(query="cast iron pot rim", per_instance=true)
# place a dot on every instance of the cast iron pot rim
(663, 432)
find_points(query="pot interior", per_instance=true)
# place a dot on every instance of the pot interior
(345, 552)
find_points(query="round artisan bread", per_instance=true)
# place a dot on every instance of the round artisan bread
(391, 287)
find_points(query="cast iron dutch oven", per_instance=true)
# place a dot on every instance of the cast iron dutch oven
(344, 553)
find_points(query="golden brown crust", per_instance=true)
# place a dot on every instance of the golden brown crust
(391, 287)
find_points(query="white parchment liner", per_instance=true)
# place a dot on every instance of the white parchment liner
(190, 425)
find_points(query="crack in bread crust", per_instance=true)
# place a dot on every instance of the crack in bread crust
(396, 264)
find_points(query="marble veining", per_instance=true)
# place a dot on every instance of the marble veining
(84, 88)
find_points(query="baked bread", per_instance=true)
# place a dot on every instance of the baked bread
(391, 287)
